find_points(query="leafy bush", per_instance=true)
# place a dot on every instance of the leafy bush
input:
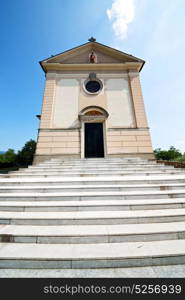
(181, 158)
(171, 154)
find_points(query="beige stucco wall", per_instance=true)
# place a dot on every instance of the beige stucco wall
(119, 104)
(86, 100)
(128, 141)
(58, 142)
(69, 98)
(65, 106)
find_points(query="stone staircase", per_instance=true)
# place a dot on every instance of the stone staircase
(93, 218)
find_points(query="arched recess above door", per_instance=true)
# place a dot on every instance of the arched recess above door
(93, 114)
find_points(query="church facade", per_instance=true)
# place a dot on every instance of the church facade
(93, 105)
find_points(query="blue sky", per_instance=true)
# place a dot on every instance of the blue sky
(150, 29)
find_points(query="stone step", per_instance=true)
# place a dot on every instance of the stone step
(92, 213)
(104, 255)
(93, 164)
(92, 195)
(168, 271)
(86, 234)
(90, 188)
(103, 159)
(97, 174)
(100, 164)
(129, 180)
(93, 205)
(100, 161)
(92, 217)
(81, 171)
(94, 168)
(95, 171)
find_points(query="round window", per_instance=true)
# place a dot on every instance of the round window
(93, 86)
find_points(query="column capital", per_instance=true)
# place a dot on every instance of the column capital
(132, 73)
(51, 75)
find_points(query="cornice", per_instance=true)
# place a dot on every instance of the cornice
(92, 67)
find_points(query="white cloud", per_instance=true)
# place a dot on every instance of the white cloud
(122, 13)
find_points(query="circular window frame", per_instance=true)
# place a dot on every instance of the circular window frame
(93, 79)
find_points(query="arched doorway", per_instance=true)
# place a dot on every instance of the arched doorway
(93, 142)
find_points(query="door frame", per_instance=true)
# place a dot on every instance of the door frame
(85, 118)
(83, 138)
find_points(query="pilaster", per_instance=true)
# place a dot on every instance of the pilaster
(140, 114)
(48, 100)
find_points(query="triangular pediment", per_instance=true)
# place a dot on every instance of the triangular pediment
(103, 55)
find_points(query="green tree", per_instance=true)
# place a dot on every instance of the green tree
(8, 157)
(25, 155)
(170, 154)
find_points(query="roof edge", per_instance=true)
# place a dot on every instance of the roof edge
(100, 44)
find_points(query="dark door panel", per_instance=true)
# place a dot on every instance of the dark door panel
(94, 146)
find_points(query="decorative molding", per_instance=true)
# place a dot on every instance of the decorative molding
(59, 129)
(78, 76)
(94, 107)
(51, 75)
(92, 67)
(128, 128)
(133, 73)
(91, 119)
(93, 78)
